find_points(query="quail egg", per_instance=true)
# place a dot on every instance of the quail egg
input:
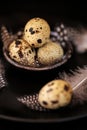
(36, 32)
(55, 94)
(21, 52)
(50, 53)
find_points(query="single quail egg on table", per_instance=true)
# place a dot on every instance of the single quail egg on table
(55, 94)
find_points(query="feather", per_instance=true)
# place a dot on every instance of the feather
(3, 81)
(8, 37)
(31, 101)
(78, 81)
(78, 36)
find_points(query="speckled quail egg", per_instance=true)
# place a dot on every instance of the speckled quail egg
(55, 94)
(36, 32)
(50, 53)
(21, 52)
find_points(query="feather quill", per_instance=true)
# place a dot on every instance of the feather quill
(77, 79)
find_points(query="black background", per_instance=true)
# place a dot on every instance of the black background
(16, 13)
(60, 9)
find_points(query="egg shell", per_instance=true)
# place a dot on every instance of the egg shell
(36, 32)
(55, 94)
(21, 52)
(50, 53)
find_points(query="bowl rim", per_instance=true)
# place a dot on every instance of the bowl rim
(64, 59)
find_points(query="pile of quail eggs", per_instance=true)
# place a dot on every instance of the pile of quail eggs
(35, 47)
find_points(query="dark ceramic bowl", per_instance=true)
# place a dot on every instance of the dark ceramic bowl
(66, 45)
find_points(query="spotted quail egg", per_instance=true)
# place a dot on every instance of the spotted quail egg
(21, 52)
(36, 32)
(55, 94)
(50, 53)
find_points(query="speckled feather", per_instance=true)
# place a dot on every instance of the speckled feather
(31, 101)
(8, 37)
(3, 81)
(78, 36)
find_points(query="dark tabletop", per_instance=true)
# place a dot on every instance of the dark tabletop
(15, 14)
(71, 125)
